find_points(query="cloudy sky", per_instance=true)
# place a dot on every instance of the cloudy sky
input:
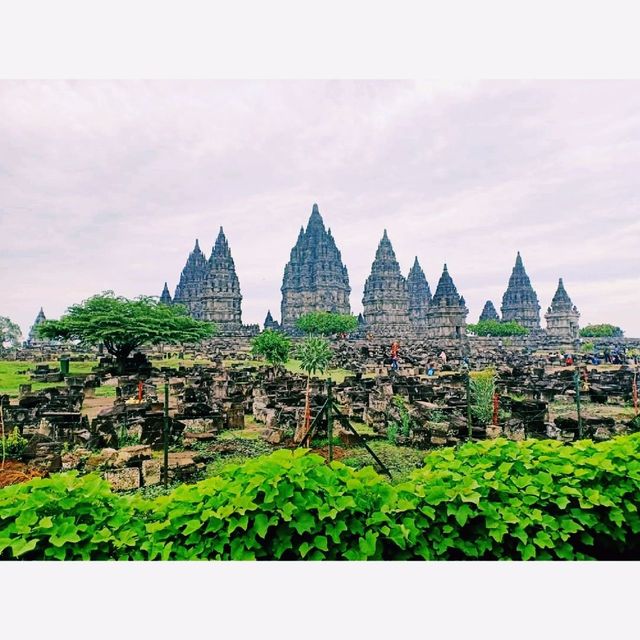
(106, 185)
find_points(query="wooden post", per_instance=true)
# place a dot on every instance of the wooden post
(576, 379)
(468, 391)
(165, 432)
(329, 419)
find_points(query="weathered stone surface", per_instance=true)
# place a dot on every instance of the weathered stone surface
(123, 479)
(151, 472)
(134, 455)
(315, 279)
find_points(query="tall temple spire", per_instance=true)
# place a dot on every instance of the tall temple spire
(386, 296)
(520, 302)
(32, 338)
(562, 316)
(447, 312)
(315, 279)
(165, 296)
(419, 295)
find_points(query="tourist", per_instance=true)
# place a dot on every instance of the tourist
(395, 348)
(443, 357)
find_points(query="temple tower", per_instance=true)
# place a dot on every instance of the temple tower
(191, 283)
(520, 302)
(562, 316)
(489, 312)
(419, 296)
(32, 338)
(447, 312)
(220, 298)
(386, 295)
(165, 296)
(315, 279)
(270, 323)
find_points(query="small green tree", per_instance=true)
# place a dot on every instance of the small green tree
(10, 335)
(124, 325)
(315, 355)
(326, 323)
(273, 346)
(483, 387)
(497, 328)
(601, 331)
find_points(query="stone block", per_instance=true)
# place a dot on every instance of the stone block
(133, 456)
(123, 479)
(151, 472)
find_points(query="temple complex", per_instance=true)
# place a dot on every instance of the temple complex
(489, 312)
(446, 317)
(386, 295)
(210, 288)
(315, 279)
(562, 316)
(419, 296)
(520, 302)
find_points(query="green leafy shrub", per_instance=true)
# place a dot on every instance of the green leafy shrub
(490, 500)
(483, 386)
(273, 346)
(497, 328)
(326, 323)
(525, 500)
(601, 331)
(67, 518)
(13, 444)
(289, 505)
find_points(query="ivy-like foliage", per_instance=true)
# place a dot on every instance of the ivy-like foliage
(492, 500)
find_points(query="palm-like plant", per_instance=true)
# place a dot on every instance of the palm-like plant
(314, 354)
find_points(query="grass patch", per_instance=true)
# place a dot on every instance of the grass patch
(105, 392)
(14, 373)
(401, 461)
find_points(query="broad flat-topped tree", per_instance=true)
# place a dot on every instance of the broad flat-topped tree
(124, 325)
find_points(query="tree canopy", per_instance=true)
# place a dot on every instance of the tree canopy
(10, 334)
(124, 325)
(326, 323)
(314, 354)
(497, 328)
(273, 346)
(601, 331)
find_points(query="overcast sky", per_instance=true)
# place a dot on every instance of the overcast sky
(106, 185)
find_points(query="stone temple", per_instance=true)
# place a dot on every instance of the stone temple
(419, 296)
(447, 314)
(562, 316)
(32, 338)
(520, 302)
(315, 279)
(386, 295)
(210, 289)
(489, 312)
